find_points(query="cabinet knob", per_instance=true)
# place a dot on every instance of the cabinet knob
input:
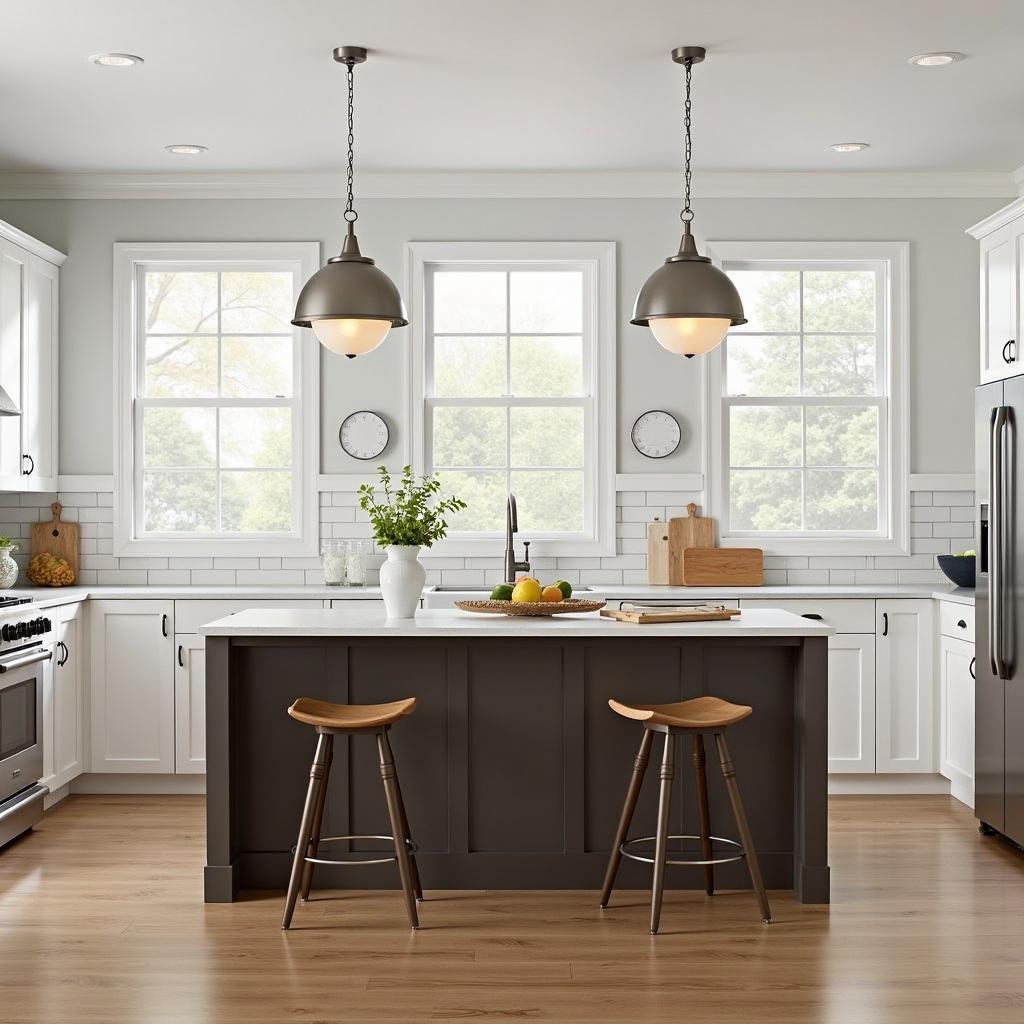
(961, 624)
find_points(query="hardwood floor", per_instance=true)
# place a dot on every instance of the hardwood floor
(102, 920)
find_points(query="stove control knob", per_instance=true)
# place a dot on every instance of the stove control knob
(47, 625)
(20, 631)
(6, 633)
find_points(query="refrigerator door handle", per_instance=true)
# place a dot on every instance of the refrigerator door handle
(995, 463)
(1007, 542)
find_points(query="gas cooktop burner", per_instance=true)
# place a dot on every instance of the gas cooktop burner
(6, 600)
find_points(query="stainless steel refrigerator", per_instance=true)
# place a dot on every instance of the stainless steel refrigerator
(999, 672)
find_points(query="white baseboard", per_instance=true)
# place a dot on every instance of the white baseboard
(887, 785)
(963, 791)
(55, 796)
(140, 784)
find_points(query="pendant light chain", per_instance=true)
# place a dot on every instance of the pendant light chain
(350, 214)
(686, 214)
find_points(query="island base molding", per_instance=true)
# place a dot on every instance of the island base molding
(513, 767)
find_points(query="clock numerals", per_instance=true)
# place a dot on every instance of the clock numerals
(363, 435)
(656, 434)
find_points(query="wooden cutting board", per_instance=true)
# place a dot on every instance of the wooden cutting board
(723, 567)
(657, 553)
(692, 613)
(689, 531)
(56, 538)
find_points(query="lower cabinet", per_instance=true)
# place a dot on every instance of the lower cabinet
(132, 686)
(904, 686)
(956, 716)
(851, 702)
(63, 704)
(189, 704)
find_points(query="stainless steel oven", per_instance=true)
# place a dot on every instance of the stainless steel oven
(23, 659)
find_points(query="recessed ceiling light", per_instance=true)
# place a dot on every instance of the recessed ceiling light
(851, 147)
(185, 149)
(116, 60)
(935, 60)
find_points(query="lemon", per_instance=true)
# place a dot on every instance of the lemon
(525, 591)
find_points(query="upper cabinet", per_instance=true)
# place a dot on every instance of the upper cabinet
(1001, 238)
(29, 302)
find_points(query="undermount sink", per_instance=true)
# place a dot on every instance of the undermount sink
(468, 589)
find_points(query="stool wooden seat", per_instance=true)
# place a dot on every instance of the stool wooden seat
(344, 717)
(694, 718)
(330, 720)
(699, 713)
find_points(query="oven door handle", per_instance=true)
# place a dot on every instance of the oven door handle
(43, 654)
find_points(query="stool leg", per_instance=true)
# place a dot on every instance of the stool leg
(387, 774)
(703, 814)
(729, 774)
(632, 793)
(417, 888)
(318, 821)
(316, 779)
(661, 842)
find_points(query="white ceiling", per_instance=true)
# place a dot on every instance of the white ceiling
(513, 85)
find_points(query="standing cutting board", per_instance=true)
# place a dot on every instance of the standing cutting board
(657, 553)
(723, 567)
(690, 531)
(56, 538)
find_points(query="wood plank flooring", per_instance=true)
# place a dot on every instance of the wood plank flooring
(102, 920)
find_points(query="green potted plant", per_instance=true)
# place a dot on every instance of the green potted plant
(404, 519)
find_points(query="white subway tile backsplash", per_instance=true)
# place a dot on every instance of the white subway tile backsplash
(941, 521)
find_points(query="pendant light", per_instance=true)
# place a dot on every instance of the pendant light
(688, 303)
(350, 303)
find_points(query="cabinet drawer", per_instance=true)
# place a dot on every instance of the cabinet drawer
(190, 615)
(843, 616)
(956, 620)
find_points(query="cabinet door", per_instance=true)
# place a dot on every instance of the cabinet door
(851, 702)
(13, 297)
(132, 686)
(1000, 355)
(189, 704)
(904, 686)
(69, 720)
(956, 716)
(39, 408)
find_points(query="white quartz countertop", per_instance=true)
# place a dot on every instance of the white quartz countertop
(961, 595)
(757, 622)
(48, 596)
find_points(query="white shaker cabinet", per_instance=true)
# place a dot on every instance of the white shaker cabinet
(189, 704)
(904, 686)
(132, 686)
(29, 306)
(851, 702)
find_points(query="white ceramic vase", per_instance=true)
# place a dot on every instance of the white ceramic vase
(401, 581)
(8, 569)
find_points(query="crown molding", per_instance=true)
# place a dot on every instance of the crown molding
(1003, 216)
(515, 185)
(1018, 179)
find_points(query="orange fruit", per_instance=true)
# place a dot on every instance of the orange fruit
(551, 593)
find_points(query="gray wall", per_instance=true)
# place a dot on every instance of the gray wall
(943, 299)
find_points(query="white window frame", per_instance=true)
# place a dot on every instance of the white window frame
(597, 261)
(131, 259)
(892, 536)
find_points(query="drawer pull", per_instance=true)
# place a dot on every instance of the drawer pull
(811, 615)
(885, 623)
(971, 668)
(962, 624)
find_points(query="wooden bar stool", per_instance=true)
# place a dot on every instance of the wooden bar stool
(703, 715)
(332, 720)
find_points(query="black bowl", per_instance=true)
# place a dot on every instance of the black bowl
(959, 569)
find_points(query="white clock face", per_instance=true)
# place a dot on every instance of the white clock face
(656, 434)
(364, 435)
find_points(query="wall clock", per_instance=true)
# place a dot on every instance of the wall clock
(363, 435)
(656, 434)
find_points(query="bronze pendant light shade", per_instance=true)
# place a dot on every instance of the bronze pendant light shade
(688, 303)
(350, 303)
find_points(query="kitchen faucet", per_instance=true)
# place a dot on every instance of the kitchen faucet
(511, 528)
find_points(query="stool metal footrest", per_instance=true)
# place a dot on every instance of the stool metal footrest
(683, 863)
(353, 862)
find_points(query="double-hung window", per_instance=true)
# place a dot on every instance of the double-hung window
(514, 391)
(807, 398)
(216, 447)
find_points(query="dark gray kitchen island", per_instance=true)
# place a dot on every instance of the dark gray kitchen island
(513, 766)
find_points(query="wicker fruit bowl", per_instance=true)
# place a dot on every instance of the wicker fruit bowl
(574, 604)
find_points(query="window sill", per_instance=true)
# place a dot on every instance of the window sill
(494, 547)
(837, 546)
(216, 548)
